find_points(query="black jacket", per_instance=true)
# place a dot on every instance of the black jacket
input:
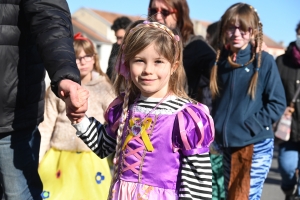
(112, 61)
(290, 76)
(34, 35)
(198, 58)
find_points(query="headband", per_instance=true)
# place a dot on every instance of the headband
(176, 38)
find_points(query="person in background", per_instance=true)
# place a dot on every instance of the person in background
(248, 97)
(212, 33)
(288, 158)
(216, 157)
(56, 130)
(198, 56)
(34, 35)
(119, 27)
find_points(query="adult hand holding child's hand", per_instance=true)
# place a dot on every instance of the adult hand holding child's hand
(75, 98)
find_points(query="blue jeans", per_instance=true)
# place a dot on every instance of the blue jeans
(288, 162)
(19, 158)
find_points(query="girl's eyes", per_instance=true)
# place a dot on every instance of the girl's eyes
(159, 61)
(156, 61)
(138, 60)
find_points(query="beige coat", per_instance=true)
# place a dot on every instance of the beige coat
(56, 129)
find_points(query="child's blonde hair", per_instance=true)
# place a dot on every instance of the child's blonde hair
(138, 36)
(248, 19)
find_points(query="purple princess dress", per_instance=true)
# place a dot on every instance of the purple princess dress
(151, 161)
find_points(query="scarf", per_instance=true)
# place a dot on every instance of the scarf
(296, 55)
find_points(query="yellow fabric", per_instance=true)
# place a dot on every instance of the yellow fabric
(72, 175)
(145, 125)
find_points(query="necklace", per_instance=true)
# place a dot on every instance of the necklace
(137, 123)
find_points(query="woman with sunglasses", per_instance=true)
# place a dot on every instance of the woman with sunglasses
(198, 56)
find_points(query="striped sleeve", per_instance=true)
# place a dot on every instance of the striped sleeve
(97, 139)
(196, 177)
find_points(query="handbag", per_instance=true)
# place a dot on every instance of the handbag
(74, 175)
(284, 125)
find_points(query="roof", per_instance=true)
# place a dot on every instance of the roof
(80, 27)
(271, 43)
(110, 17)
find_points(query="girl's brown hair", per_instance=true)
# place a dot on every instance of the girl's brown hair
(184, 22)
(248, 19)
(138, 37)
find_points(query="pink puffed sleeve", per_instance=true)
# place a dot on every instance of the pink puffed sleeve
(193, 130)
(112, 116)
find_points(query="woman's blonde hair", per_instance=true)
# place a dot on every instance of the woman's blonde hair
(138, 36)
(248, 19)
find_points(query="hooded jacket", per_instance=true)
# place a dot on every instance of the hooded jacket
(34, 35)
(290, 76)
(239, 119)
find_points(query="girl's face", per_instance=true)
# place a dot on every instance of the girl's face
(151, 72)
(237, 38)
(85, 64)
(164, 14)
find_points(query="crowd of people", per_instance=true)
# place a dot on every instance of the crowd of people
(175, 116)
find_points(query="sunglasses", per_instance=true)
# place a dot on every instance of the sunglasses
(164, 12)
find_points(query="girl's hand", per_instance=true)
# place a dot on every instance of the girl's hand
(75, 116)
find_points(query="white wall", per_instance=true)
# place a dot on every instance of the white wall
(104, 53)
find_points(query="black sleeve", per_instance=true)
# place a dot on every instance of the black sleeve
(51, 26)
(112, 60)
(97, 138)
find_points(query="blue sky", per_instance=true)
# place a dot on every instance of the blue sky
(279, 17)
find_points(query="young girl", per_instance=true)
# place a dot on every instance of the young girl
(59, 163)
(162, 138)
(248, 98)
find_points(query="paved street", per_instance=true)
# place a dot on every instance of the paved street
(271, 190)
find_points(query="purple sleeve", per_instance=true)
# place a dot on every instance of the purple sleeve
(112, 116)
(193, 130)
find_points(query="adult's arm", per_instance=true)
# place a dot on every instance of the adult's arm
(51, 26)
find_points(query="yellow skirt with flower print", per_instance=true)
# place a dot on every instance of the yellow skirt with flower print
(74, 175)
